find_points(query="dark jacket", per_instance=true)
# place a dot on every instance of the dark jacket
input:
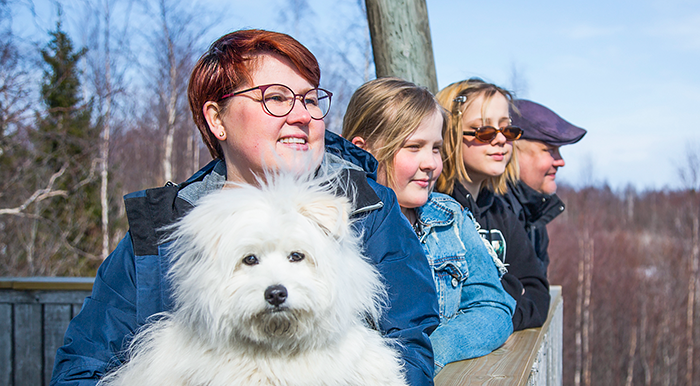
(130, 285)
(502, 228)
(534, 210)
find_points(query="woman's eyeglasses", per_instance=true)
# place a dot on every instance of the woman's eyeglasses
(278, 100)
(488, 133)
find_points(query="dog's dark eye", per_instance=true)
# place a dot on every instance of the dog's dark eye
(250, 260)
(296, 256)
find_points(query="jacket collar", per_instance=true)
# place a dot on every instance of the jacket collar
(536, 206)
(434, 213)
(481, 205)
(344, 149)
(150, 211)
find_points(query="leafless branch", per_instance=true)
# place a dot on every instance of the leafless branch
(91, 175)
(39, 195)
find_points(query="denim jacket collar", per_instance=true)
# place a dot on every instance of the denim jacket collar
(435, 212)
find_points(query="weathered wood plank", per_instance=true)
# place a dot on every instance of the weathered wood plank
(34, 315)
(28, 344)
(56, 319)
(47, 283)
(511, 364)
(6, 344)
(42, 297)
(554, 361)
(508, 365)
(548, 366)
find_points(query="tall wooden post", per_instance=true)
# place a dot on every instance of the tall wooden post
(401, 41)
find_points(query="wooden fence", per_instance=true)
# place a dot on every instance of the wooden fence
(34, 315)
(531, 357)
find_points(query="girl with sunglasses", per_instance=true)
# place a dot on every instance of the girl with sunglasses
(402, 125)
(479, 160)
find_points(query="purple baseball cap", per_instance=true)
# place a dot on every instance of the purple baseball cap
(542, 124)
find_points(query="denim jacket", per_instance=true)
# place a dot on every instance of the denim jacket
(475, 311)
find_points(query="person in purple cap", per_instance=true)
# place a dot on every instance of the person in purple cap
(533, 197)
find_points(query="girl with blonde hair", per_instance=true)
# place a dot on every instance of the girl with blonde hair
(402, 125)
(479, 160)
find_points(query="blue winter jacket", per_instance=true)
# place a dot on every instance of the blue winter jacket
(130, 285)
(475, 311)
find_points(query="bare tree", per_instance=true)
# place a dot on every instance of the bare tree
(108, 40)
(690, 178)
(689, 172)
(172, 92)
(15, 101)
(583, 312)
(346, 63)
(518, 81)
(104, 136)
(578, 371)
(293, 13)
(690, 308)
(587, 318)
(15, 83)
(630, 357)
(175, 42)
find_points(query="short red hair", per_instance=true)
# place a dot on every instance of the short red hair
(226, 66)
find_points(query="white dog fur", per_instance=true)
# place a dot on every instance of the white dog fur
(230, 252)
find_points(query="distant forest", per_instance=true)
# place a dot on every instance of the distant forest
(628, 264)
(82, 126)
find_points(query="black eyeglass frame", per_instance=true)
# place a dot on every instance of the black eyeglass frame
(264, 88)
(478, 133)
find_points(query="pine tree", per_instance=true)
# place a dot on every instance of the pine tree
(65, 129)
(67, 233)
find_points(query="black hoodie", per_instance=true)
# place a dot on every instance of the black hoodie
(500, 225)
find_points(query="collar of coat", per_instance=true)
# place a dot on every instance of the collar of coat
(150, 211)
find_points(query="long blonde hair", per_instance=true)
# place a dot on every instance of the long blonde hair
(384, 112)
(456, 99)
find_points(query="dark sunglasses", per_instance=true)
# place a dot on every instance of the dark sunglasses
(488, 133)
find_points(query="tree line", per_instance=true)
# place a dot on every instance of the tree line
(628, 264)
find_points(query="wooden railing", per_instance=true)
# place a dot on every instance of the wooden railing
(529, 357)
(35, 312)
(34, 315)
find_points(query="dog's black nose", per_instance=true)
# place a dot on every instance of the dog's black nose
(276, 294)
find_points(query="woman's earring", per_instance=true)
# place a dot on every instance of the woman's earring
(222, 134)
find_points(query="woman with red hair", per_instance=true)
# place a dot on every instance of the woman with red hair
(255, 98)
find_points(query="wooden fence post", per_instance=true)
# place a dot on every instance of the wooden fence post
(401, 42)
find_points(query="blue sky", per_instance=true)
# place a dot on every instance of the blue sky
(627, 71)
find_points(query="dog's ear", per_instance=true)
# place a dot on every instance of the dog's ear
(331, 214)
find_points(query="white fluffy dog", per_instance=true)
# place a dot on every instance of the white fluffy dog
(270, 288)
